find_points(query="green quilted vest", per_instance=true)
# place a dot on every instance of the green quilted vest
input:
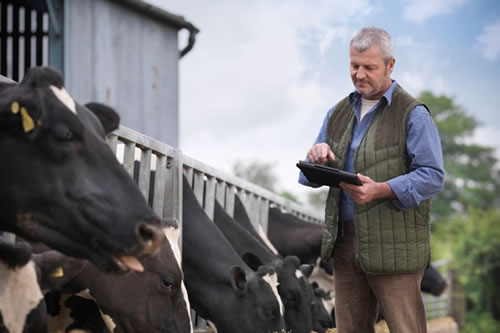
(388, 240)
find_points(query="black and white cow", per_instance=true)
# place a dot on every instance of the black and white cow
(241, 216)
(154, 300)
(22, 307)
(292, 286)
(293, 236)
(221, 287)
(322, 318)
(61, 183)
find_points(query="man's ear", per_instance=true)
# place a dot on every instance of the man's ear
(108, 117)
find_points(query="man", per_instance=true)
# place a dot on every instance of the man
(378, 233)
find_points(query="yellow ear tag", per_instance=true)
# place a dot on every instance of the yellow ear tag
(14, 107)
(28, 123)
(57, 273)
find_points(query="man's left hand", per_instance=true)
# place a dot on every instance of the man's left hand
(368, 191)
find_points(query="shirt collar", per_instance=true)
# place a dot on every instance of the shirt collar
(355, 96)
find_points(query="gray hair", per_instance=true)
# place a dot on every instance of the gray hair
(369, 36)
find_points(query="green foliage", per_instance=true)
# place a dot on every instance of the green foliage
(289, 196)
(260, 173)
(471, 177)
(476, 253)
(481, 323)
(317, 198)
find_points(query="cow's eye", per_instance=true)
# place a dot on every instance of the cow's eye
(62, 133)
(166, 283)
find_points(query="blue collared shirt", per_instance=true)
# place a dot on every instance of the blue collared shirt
(426, 176)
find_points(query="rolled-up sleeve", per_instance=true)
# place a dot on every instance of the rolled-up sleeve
(426, 176)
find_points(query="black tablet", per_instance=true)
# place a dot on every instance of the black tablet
(325, 175)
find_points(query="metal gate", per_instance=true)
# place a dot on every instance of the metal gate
(24, 36)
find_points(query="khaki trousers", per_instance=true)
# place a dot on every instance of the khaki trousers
(359, 295)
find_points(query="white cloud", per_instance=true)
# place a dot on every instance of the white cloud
(421, 10)
(486, 136)
(489, 41)
(243, 93)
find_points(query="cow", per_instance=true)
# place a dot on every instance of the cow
(292, 286)
(322, 318)
(61, 183)
(221, 287)
(283, 228)
(292, 236)
(22, 306)
(154, 300)
(241, 216)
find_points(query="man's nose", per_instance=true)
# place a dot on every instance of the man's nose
(360, 74)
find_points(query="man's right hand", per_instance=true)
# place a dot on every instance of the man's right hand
(320, 153)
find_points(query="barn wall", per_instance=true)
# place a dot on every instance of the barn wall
(126, 59)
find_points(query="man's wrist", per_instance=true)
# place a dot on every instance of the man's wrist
(385, 191)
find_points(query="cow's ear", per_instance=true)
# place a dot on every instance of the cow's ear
(238, 280)
(292, 261)
(252, 260)
(57, 268)
(306, 269)
(108, 117)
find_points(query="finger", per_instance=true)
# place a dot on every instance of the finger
(330, 154)
(364, 179)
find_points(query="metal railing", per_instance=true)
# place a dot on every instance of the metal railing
(164, 190)
(208, 183)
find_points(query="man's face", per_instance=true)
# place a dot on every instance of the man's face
(370, 74)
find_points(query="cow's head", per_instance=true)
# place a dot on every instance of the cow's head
(322, 320)
(297, 298)
(433, 282)
(154, 300)
(257, 300)
(61, 183)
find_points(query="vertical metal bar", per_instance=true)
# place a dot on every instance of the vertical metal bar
(198, 186)
(220, 192)
(159, 184)
(230, 193)
(210, 196)
(113, 142)
(3, 39)
(39, 38)
(15, 42)
(128, 157)
(145, 172)
(188, 172)
(264, 213)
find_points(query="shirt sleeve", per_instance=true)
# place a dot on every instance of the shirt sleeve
(426, 176)
(321, 138)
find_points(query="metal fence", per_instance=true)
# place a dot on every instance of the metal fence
(24, 37)
(140, 155)
(209, 184)
(439, 306)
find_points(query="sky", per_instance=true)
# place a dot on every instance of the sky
(263, 73)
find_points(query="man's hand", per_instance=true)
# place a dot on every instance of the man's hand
(320, 153)
(368, 191)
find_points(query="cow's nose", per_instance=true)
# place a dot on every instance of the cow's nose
(152, 237)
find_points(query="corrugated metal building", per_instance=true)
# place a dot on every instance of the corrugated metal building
(121, 52)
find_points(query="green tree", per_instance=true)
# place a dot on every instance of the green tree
(476, 249)
(262, 174)
(471, 177)
(259, 173)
